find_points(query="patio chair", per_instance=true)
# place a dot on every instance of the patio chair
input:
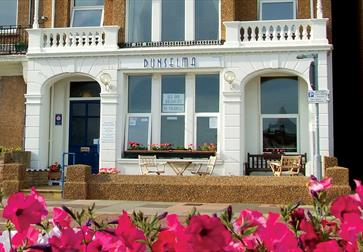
(205, 169)
(288, 165)
(149, 165)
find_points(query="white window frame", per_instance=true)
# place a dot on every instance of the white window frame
(156, 20)
(16, 15)
(261, 2)
(138, 115)
(189, 109)
(208, 115)
(85, 8)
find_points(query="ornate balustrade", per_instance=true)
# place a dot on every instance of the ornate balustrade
(276, 32)
(73, 39)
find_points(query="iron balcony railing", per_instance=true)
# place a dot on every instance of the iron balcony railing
(13, 39)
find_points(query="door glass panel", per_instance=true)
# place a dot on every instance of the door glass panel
(93, 109)
(85, 89)
(206, 130)
(280, 133)
(8, 12)
(84, 18)
(77, 131)
(172, 130)
(93, 129)
(279, 95)
(78, 109)
(138, 130)
(277, 10)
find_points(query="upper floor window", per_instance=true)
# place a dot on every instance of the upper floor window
(87, 13)
(8, 12)
(277, 9)
(172, 20)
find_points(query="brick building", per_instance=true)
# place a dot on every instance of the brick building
(96, 76)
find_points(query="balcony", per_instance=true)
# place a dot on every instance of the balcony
(276, 33)
(13, 40)
(73, 39)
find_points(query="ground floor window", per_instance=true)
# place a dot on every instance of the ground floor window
(279, 113)
(178, 110)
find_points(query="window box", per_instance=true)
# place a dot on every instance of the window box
(169, 153)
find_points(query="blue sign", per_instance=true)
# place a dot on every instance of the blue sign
(58, 119)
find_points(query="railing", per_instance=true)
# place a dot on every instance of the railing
(73, 39)
(13, 39)
(276, 32)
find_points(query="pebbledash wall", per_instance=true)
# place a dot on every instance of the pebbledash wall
(49, 70)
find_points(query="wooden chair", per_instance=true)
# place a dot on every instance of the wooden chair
(149, 164)
(208, 168)
(288, 165)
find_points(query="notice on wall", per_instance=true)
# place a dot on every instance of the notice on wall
(213, 122)
(58, 119)
(108, 130)
(132, 121)
(173, 99)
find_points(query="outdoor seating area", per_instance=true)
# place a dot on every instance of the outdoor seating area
(201, 167)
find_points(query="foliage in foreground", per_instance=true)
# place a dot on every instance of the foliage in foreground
(333, 228)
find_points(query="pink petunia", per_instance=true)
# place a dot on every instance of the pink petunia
(331, 246)
(317, 186)
(344, 205)
(24, 210)
(206, 233)
(129, 234)
(61, 218)
(27, 237)
(309, 238)
(349, 230)
(70, 240)
(277, 237)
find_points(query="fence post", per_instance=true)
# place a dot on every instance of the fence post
(75, 186)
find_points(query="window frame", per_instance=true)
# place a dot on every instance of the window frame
(261, 2)
(156, 21)
(85, 8)
(276, 116)
(16, 16)
(138, 115)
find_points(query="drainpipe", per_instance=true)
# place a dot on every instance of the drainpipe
(319, 10)
(53, 12)
(311, 9)
(36, 15)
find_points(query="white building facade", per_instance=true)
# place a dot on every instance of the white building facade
(246, 94)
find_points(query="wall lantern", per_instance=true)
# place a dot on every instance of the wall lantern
(106, 79)
(229, 76)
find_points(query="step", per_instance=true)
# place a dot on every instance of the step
(48, 192)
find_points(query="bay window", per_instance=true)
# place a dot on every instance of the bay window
(8, 12)
(87, 13)
(172, 20)
(277, 9)
(279, 113)
(160, 108)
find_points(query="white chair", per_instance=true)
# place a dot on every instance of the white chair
(289, 165)
(205, 169)
(149, 164)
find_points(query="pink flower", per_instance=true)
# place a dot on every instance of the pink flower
(129, 234)
(331, 246)
(24, 210)
(69, 240)
(316, 186)
(235, 247)
(308, 238)
(350, 228)
(249, 219)
(344, 205)
(27, 237)
(297, 216)
(205, 233)
(173, 238)
(277, 237)
(105, 242)
(61, 218)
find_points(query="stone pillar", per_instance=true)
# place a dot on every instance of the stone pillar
(13, 178)
(75, 186)
(340, 181)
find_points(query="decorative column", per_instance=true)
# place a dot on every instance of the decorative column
(36, 14)
(319, 10)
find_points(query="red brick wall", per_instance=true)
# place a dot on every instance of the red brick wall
(12, 90)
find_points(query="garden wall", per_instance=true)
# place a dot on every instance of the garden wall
(81, 184)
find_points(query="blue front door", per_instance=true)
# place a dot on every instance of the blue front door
(84, 132)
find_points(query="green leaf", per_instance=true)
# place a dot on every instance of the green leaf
(249, 231)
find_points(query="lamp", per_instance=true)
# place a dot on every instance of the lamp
(106, 79)
(229, 76)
